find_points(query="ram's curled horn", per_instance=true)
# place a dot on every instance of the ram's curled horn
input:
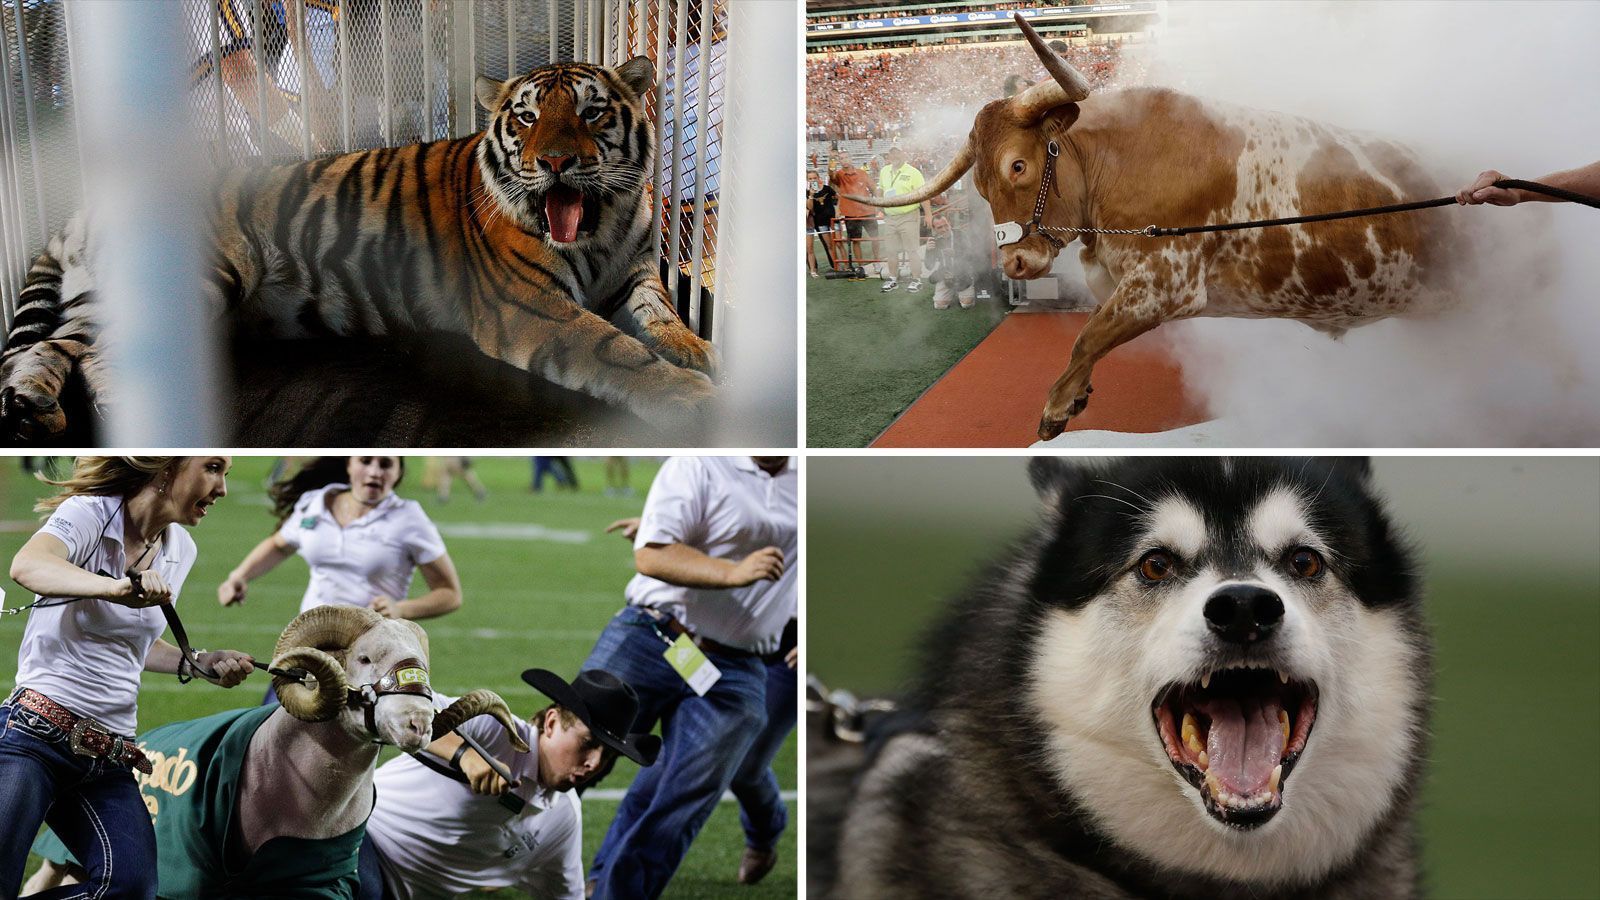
(422, 636)
(318, 704)
(931, 189)
(329, 628)
(477, 703)
(1068, 86)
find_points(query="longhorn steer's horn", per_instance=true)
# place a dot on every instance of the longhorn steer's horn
(1068, 86)
(934, 188)
(476, 703)
(307, 704)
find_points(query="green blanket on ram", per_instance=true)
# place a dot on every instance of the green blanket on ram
(193, 800)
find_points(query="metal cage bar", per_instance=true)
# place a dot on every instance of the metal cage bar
(304, 58)
(702, 133)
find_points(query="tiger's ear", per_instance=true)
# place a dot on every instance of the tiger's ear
(638, 74)
(488, 92)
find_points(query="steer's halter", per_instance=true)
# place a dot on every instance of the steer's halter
(1007, 233)
(1010, 232)
(408, 676)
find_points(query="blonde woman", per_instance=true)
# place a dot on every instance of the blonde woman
(112, 551)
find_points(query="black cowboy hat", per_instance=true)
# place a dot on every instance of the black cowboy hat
(603, 702)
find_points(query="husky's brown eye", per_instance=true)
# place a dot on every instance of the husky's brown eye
(1305, 562)
(1157, 565)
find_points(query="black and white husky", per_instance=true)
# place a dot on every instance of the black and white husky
(1197, 677)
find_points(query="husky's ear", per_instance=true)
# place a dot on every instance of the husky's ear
(1358, 468)
(1055, 478)
(487, 90)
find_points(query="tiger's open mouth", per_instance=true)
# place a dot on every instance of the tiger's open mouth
(1236, 735)
(569, 212)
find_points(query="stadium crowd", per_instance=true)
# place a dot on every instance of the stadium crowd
(891, 12)
(873, 96)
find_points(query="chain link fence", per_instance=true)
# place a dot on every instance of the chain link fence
(293, 79)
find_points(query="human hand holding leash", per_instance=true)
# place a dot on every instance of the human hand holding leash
(229, 666)
(386, 606)
(482, 777)
(144, 589)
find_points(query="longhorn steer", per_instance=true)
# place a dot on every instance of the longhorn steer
(1146, 156)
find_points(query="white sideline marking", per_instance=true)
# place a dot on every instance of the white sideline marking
(513, 531)
(615, 794)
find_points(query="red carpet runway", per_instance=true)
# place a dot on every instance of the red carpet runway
(994, 395)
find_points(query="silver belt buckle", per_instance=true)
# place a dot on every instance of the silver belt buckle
(79, 729)
(1007, 233)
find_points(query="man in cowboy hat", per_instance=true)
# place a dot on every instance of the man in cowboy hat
(443, 823)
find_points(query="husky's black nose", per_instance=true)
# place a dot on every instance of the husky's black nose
(1243, 613)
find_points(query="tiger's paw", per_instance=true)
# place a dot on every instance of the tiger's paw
(683, 348)
(681, 406)
(29, 414)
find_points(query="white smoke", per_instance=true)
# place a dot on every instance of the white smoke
(1470, 87)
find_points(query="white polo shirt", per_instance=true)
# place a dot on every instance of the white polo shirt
(438, 839)
(726, 507)
(376, 554)
(87, 655)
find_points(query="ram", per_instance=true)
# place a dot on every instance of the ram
(273, 801)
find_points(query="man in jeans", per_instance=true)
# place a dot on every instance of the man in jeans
(902, 224)
(716, 553)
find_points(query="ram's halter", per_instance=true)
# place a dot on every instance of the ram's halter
(408, 676)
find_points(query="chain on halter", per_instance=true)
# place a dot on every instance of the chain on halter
(1011, 233)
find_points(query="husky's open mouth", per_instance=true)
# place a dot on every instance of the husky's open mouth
(1236, 735)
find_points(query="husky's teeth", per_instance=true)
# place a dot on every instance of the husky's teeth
(1283, 676)
(1214, 785)
(1283, 722)
(1191, 734)
(1277, 778)
(1205, 761)
(1205, 681)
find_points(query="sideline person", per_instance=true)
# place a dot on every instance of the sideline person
(716, 556)
(439, 830)
(1582, 180)
(860, 220)
(903, 223)
(362, 541)
(111, 553)
(762, 812)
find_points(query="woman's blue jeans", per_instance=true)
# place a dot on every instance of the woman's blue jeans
(94, 807)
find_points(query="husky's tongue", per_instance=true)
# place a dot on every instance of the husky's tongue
(563, 207)
(1245, 742)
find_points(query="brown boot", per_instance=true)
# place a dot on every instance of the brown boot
(755, 864)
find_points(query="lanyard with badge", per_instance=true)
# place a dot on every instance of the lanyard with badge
(688, 661)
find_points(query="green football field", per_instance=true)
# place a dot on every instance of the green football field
(1511, 804)
(869, 355)
(539, 581)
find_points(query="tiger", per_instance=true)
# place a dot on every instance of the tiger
(530, 237)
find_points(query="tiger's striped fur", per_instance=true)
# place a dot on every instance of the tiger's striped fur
(442, 236)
